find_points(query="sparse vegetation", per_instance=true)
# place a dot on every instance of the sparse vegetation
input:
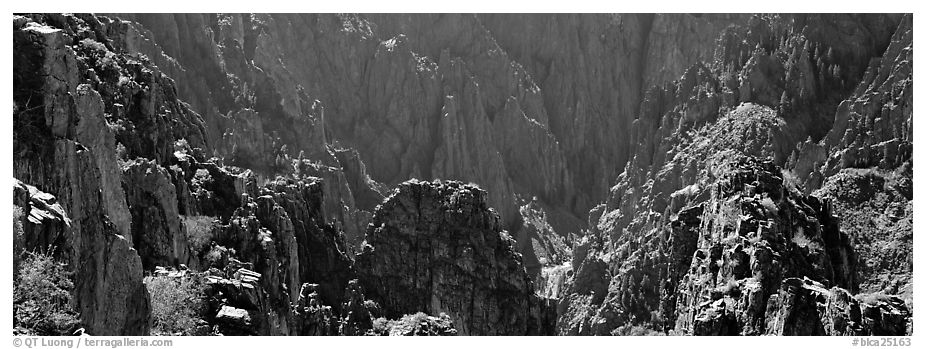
(176, 304)
(878, 216)
(873, 298)
(217, 256)
(42, 302)
(17, 221)
(769, 205)
(17, 238)
(729, 216)
(609, 127)
(635, 330)
(804, 242)
(791, 182)
(418, 324)
(198, 231)
(380, 326)
(731, 288)
(121, 155)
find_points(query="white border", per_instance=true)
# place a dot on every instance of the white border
(515, 6)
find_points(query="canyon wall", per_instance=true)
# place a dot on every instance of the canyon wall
(655, 242)
(644, 173)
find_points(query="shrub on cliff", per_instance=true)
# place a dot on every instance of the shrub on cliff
(418, 324)
(198, 231)
(17, 239)
(636, 331)
(17, 221)
(176, 304)
(42, 296)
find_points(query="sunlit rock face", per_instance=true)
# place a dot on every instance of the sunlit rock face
(471, 174)
(438, 247)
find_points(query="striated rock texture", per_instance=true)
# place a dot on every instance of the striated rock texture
(649, 173)
(655, 243)
(110, 296)
(63, 145)
(754, 232)
(156, 223)
(278, 230)
(106, 133)
(526, 105)
(869, 168)
(591, 72)
(537, 235)
(805, 308)
(438, 248)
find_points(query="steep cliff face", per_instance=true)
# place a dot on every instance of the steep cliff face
(111, 300)
(735, 264)
(156, 223)
(756, 194)
(438, 247)
(107, 134)
(754, 233)
(102, 127)
(592, 72)
(277, 235)
(64, 145)
(875, 208)
(867, 168)
(514, 103)
(874, 127)
(764, 92)
(251, 112)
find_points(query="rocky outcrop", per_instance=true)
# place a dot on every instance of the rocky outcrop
(111, 300)
(746, 247)
(339, 207)
(438, 247)
(871, 127)
(236, 302)
(806, 308)
(538, 236)
(418, 324)
(874, 128)
(875, 209)
(357, 313)
(128, 148)
(156, 226)
(321, 250)
(517, 104)
(723, 268)
(592, 72)
(206, 187)
(63, 145)
(279, 231)
(864, 164)
(254, 114)
(787, 77)
(315, 318)
(260, 149)
(45, 221)
(367, 193)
